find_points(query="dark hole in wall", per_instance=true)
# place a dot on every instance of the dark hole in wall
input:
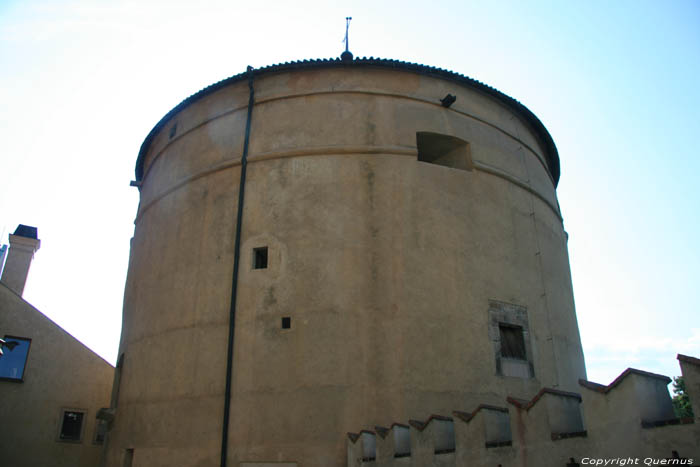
(260, 258)
(286, 322)
(445, 150)
(512, 342)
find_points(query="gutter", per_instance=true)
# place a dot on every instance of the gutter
(236, 262)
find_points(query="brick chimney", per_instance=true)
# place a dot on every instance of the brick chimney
(23, 244)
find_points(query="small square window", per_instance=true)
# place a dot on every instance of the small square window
(71, 425)
(260, 258)
(286, 322)
(512, 342)
(14, 358)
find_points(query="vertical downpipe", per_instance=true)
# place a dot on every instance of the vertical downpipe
(236, 261)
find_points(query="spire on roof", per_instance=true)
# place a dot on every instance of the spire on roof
(347, 55)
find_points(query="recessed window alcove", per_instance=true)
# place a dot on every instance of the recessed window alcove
(509, 332)
(445, 150)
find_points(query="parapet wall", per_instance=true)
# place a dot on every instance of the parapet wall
(628, 422)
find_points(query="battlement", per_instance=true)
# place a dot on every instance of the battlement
(632, 417)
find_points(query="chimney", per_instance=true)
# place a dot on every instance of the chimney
(23, 244)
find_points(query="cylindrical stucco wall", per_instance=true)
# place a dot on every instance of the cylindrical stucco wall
(389, 267)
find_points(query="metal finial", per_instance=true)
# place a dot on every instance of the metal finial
(347, 55)
(347, 27)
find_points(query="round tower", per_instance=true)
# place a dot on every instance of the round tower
(401, 253)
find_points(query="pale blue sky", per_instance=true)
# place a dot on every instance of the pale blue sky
(616, 84)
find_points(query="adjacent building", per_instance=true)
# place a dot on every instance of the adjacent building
(51, 385)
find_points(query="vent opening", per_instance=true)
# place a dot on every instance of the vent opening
(260, 258)
(286, 322)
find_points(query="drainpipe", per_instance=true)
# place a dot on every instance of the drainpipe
(236, 261)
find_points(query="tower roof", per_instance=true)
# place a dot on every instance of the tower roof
(538, 128)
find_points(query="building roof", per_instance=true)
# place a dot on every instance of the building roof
(536, 125)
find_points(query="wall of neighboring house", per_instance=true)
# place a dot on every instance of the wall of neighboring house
(47, 406)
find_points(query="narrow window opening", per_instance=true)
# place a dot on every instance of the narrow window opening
(71, 425)
(286, 322)
(512, 342)
(260, 258)
(128, 457)
(445, 150)
(100, 432)
(173, 131)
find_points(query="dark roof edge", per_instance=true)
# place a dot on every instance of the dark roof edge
(539, 129)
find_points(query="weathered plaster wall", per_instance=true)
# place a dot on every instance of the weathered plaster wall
(385, 265)
(60, 373)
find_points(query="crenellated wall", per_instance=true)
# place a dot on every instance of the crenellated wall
(631, 418)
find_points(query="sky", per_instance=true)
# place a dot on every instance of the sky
(616, 84)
